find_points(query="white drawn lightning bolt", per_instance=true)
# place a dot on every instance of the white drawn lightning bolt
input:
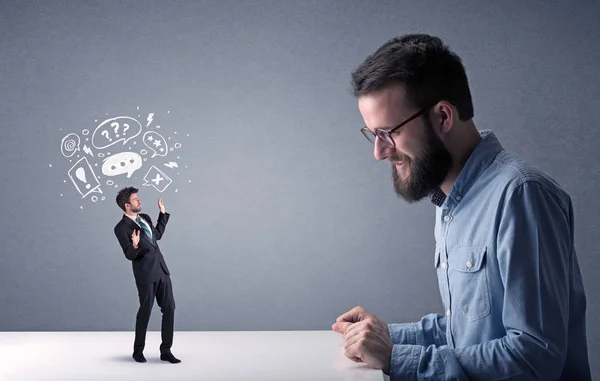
(150, 118)
(171, 164)
(87, 150)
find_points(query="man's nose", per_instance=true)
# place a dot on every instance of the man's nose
(382, 150)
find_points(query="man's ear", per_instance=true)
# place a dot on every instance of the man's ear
(444, 113)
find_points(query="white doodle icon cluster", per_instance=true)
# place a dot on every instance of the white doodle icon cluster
(115, 133)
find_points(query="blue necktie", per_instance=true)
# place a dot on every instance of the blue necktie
(145, 227)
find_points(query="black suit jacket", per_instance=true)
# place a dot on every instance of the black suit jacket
(147, 261)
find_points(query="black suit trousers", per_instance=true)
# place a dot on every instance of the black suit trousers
(162, 290)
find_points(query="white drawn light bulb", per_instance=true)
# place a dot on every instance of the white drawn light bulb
(80, 174)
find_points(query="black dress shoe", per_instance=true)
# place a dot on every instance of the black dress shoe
(169, 357)
(139, 357)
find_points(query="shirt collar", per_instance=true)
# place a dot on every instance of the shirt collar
(481, 158)
(134, 218)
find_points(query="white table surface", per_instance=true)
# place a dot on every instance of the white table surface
(227, 355)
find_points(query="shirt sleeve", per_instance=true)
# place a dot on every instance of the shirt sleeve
(430, 330)
(534, 246)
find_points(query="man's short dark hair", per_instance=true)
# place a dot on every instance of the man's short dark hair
(429, 71)
(123, 196)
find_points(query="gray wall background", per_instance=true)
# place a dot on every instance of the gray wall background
(282, 219)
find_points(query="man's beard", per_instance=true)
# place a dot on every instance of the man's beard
(136, 210)
(426, 171)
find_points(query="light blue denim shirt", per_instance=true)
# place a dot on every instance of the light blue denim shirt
(508, 277)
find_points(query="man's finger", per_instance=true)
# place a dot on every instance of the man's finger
(352, 337)
(352, 354)
(350, 342)
(354, 329)
(352, 316)
(341, 327)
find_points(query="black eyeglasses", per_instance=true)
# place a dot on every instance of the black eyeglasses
(386, 136)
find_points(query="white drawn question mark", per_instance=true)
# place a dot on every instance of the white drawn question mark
(105, 134)
(115, 125)
(126, 128)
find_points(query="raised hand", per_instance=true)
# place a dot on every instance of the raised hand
(161, 205)
(135, 238)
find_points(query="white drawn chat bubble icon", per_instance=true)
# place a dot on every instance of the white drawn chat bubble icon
(120, 163)
(156, 143)
(157, 179)
(83, 177)
(70, 144)
(114, 130)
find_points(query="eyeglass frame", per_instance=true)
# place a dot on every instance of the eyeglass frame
(388, 134)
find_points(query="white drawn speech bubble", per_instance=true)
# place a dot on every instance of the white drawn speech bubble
(156, 143)
(70, 144)
(157, 179)
(114, 130)
(120, 163)
(83, 177)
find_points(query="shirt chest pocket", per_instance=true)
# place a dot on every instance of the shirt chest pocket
(468, 280)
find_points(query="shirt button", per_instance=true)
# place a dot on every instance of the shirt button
(459, 198)
(447, 218)
(444, 265)
(469, 264)
(448, 313)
